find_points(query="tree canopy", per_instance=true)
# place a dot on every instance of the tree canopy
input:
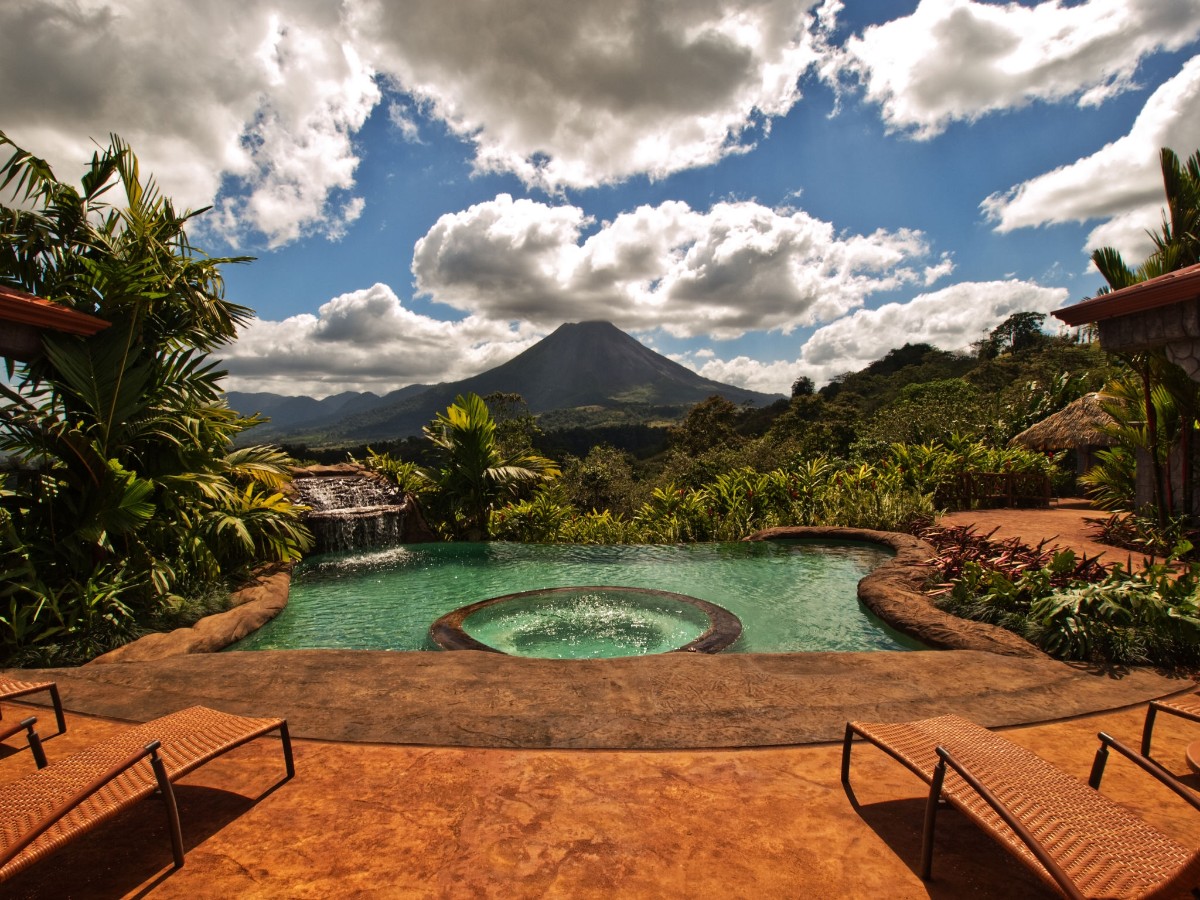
(123, 496)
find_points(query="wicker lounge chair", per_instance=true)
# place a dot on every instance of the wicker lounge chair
(1073, 837)
(47, 808)
(1187, 707)
(11, 689)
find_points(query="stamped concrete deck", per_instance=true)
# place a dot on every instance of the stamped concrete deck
(668, 702)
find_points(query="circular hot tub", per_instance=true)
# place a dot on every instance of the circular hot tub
(588, 623)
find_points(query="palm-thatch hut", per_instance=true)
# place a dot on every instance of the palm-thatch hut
(1078, 426)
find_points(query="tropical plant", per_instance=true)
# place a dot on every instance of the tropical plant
(1176, 246)
(475, 474)
(124, 494)
(406, 476)
(1074, 608)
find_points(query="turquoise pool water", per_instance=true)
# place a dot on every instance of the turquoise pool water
(790, 596)
(588, 623)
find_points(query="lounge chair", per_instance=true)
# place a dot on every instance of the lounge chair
(1187, 707)
(10, 689)
(47, 808)
(1073, 837)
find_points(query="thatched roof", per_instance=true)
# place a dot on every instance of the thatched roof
(1076, 425)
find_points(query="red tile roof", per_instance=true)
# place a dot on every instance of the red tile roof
(1165, 290)
(19, 308)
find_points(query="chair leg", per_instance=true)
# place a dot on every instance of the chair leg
(1148, 728)
(931, 808)
(168, 795)
(847, 743)
(35, 743)
(289, 762)
(58, 708)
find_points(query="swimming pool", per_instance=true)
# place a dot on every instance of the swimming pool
(790, 595)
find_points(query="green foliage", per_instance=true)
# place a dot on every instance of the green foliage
(729, 506)
(935, 467)
(1143, 533)
(603, 480)
(1112, 482)
(1020, 331)
(710, 423)
(406, 476)
(516, 427)
(125, 495)
(474, 472)
(932, 411)
(538, 520)
(1149, 617)
(880, 383)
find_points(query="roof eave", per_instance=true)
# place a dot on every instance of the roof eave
(1165, 290)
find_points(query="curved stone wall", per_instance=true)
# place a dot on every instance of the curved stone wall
(252, 606)
(895, 592)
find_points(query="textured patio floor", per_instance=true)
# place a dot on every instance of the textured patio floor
(373, 820)
(671, 701)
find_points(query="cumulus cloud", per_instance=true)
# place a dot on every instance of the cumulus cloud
(737, 268)
(1121, 182)
(960, 59)
(517, 269)
(257, 96)
(951, 318)
(256, 104)
(576, 95)
(366, 340)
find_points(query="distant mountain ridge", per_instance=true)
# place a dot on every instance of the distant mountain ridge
(585, 364)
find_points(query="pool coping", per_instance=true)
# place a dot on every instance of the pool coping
(449, 633)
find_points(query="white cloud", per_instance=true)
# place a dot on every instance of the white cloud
(768, 377)
(960, 59)
(366, 340)
(739, 267)
(951, 319)
(575, 95)
(1121, 182)
(266, 96)
(255, 105)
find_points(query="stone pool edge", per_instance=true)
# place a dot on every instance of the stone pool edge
(251, 606)
(894, 591)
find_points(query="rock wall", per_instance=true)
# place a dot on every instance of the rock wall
(895, 592)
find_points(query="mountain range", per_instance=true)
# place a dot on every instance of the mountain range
(584, 365)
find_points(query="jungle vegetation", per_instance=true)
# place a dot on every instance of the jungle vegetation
(123, 505)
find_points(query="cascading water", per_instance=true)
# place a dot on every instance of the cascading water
(354, 511)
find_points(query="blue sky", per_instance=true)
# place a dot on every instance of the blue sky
(761, 190)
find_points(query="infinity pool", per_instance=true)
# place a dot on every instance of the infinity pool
(789, 595)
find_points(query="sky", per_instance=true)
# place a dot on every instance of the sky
(759, 189)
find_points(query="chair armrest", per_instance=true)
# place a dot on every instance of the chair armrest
(1143, 762)
(35, 742)
(1066, 885)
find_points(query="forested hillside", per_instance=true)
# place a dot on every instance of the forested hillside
(915, 394)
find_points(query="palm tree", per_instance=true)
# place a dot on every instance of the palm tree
(1176, 246)
(128, 493)
(475, 472)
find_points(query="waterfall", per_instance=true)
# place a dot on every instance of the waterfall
(353, 511)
